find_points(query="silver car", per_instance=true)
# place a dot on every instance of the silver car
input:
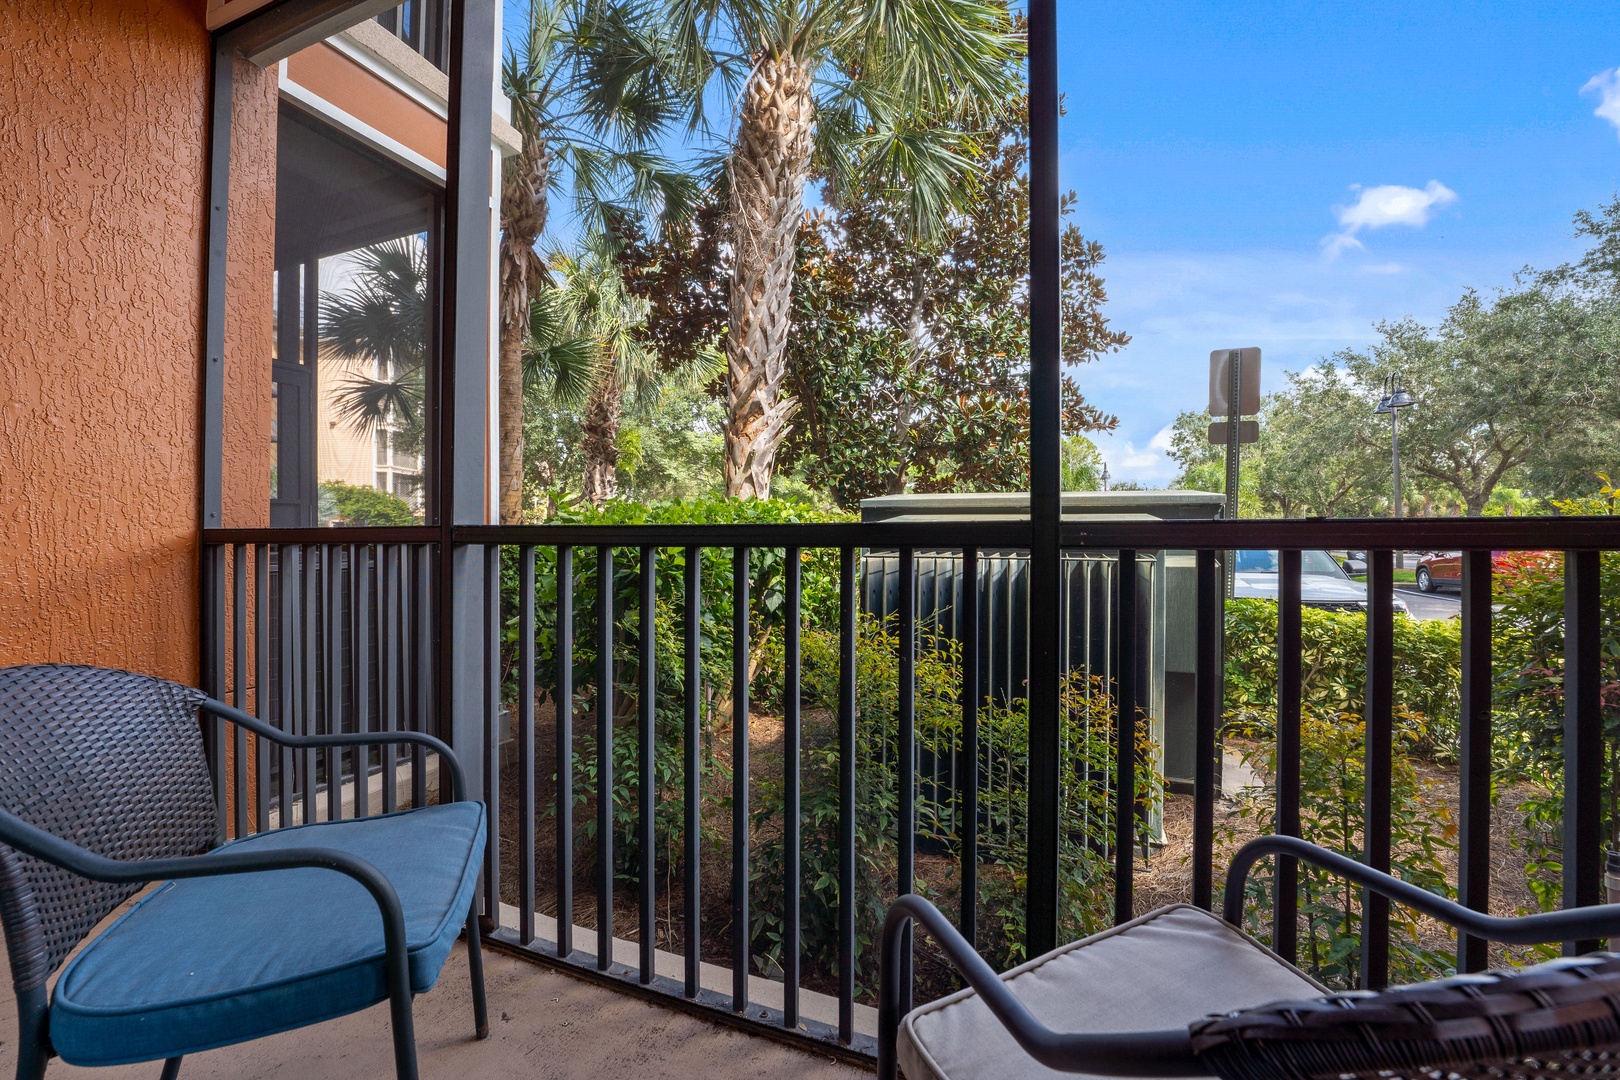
(1322, 582)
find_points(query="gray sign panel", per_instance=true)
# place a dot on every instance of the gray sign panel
(1220, 381)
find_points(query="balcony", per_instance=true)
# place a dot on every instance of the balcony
(729, 897)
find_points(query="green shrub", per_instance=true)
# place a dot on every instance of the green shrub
(1086, 809)
(352, 504)
(1333, 660)
(1332, 753)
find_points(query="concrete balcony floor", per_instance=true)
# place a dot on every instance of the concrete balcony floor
(544, 1025)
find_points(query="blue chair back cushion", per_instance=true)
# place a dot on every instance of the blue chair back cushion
(207, 962)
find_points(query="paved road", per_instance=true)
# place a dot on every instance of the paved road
(1442, 605)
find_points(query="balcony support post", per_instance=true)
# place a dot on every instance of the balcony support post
(1045, 479)
(459, 420)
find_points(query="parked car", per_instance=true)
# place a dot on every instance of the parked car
(1322, 582)
(1444, 568)
(1437, 568)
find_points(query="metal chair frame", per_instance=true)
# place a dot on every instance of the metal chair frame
(1171, 1052)
(33, 1004)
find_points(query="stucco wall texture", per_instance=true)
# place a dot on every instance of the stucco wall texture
(102, 149)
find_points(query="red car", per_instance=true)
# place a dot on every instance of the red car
(1437, 568)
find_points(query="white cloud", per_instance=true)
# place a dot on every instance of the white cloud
(1606, 85)
(1386, 204)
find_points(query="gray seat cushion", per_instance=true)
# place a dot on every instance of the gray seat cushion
(1165, 970)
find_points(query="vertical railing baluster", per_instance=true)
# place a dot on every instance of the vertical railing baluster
(216, 645)
(847, 614)
(1285, 897)
(362, 675)
(647, 691)
(1206, 721)
(239, 685)
(565, 751)
(388, 668)
(492, 737)
(309, 676)
(287, 567)
(261, 681)
(906, 749)
(332, 625)
(967, 629)
(692, 829)
(1583, 737)
(791, 765)
(525, 737)
(1380, 735)
(423, 666)
(740, 929)
(402, 631)
(1474, 756)
(604, 757)
(1125, 721)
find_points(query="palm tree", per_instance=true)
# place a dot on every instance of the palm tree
(592, 317)
(375, 330)
(840, 89)
(590, 99)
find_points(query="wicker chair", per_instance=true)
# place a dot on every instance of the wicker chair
(1180, 992)
(104, 786)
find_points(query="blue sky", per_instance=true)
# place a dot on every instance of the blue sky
(1286, 175)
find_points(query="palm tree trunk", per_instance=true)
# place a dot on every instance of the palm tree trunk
(600, 439)
(524, 178)
(768, 167)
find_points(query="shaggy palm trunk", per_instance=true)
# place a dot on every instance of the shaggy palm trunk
(768, 167)
(600, 438)
(524, 178)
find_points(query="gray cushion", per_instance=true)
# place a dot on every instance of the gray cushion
(1165, 970)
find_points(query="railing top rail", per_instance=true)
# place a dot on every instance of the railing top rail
(866, 534)
(345, 534)
(1413, 534)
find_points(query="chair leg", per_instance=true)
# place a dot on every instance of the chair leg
(171, 1069)
(404, 1028)
(475, 965)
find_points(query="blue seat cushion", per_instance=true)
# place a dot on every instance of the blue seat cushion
(207, 962)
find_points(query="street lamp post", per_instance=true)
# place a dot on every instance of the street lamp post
(1105, 477)
(1394, 400)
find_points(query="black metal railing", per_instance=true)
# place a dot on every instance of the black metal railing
(320, 634)
(572, 618)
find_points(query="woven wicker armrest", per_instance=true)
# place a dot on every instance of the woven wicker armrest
(458, 778)
(1559, 1018)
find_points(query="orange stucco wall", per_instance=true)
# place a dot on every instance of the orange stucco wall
(102, 157)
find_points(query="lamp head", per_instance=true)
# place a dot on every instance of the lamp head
(1383, 406)
(1400, 399)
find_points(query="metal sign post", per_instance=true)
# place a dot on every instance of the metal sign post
(1234, 392)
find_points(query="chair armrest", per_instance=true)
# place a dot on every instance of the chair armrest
(32, 840)
(1141, 1053)
(1573, 924)
(458, 778)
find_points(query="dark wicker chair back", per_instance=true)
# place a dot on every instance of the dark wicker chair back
(109, 760)
(1556, 1019)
